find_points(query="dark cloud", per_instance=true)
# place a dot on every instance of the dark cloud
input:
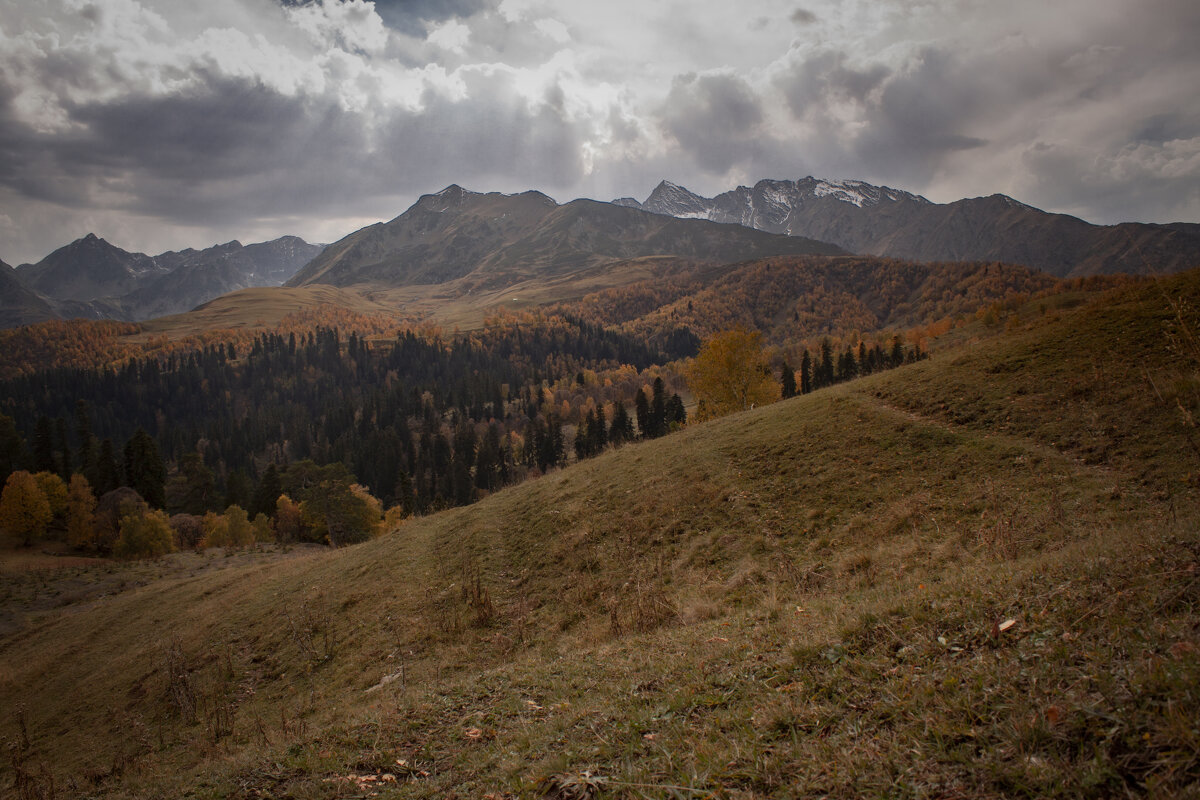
(229, 150)
(802, 16)
(809, 86)
(494, 136)
(897, 123)
(715, 118)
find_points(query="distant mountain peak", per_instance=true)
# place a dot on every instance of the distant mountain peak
(682, 202)
(879, 220)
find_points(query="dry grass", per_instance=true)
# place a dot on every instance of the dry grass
(803, 600)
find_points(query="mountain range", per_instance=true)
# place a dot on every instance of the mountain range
(489, 241)
(477, 250)
(95, 279)
(879, 220)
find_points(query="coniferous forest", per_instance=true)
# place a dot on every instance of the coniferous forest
(424, 422)
(417, 421)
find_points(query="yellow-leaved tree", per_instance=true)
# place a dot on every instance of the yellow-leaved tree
(24, 510)
(731, 374)
(144, 535)
(81, 513)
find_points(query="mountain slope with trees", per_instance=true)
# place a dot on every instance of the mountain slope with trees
(987, 560)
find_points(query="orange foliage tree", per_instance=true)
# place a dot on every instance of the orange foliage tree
(731, 374)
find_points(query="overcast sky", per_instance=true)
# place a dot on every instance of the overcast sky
(162, 124)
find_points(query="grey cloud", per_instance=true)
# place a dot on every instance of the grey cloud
(715, 118)
(413, 17)
(1155, 179)
(493, 137)
(827, 77)
(802, 16)
(218, 150)
(231, 151)
(904, 120)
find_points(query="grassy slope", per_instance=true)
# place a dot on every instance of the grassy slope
(805, 596)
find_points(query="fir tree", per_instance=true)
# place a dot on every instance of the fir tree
(658, 409)
(642, 407)
(621, 430)
(12, 448)
(268, 491)
(144, 471)
(676, 413)
(788, 379)
(43, 446)
(108, 474)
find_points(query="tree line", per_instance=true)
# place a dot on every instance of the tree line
(418, 421)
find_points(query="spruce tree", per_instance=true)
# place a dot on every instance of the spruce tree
(43, 446)
(144, 471)
(62, 450)
(622, 426)
(108, 474)
(676, 413)
(658, 409)
(788, 379)
(269, 489)
(642, 407)
(825, 368)
(87, 443)
(12, 448)
(805, 373)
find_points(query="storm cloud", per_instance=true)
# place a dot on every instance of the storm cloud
(169, 124)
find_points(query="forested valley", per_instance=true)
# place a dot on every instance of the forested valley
(311, 435)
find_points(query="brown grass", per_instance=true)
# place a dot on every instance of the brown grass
(802, 600)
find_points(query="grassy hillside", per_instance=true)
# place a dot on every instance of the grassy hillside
(978, 575)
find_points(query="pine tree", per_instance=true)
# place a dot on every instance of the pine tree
(108, 474)
(239, 489)
(144, 471)
(43, 446)
(598, 432)
(269, 489)
(87, 442)
(12, 448)
(825, 368)
(622, 426)
(194, 489)
(676, 413)
(788, 380)
(62, 450)
(658, 409)
(642, 407)
(805, 373)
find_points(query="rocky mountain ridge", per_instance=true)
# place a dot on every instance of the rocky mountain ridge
(486, 241)
(93, 278)
(880, 220)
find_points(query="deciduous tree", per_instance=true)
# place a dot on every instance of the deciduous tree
(81, 513)
(144, 535)
(731, 373)
(24, 511)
